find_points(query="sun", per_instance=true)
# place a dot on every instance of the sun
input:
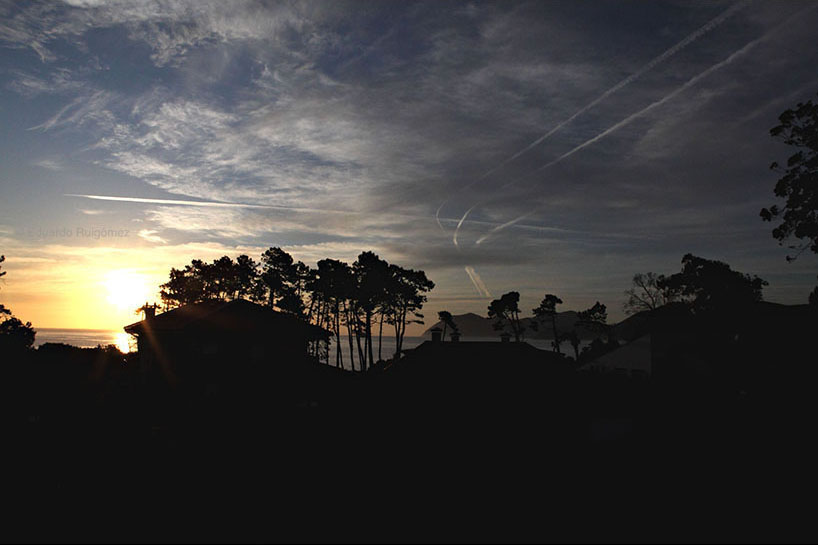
(127, 290)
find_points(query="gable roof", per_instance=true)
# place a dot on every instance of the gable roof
(236, 315)
(634, 356)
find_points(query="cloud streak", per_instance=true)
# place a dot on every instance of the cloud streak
(670, 96)
(331, 129)
(479, 285)
(689, 39)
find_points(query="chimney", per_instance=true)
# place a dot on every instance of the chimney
(436, 334)
(455, 336)
(150, 311)
(505, 337)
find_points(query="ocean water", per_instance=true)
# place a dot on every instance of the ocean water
(85, 338)
(89, 338)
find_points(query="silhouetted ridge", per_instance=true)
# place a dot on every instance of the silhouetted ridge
(473, 325)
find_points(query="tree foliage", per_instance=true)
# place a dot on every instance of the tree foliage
(798, 127)
(506, 311)
(646, 293)
(221, 280)
(15, 335)
(594, 319)
(448, 322)
(3, 309)
(547, 310)
(405, 299)
(709, 285)
(335, 295)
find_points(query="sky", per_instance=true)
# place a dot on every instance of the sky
(541, 147)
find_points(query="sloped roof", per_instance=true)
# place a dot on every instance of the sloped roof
(238, 314)
(635, 355)
(476, 356)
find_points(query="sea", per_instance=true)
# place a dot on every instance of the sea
(90, 338)
(85, 338)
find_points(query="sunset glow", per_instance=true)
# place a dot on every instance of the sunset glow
(123, 342)
(127, 289)
(141, 136)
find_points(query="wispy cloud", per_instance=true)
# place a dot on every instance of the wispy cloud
(329, 129)
(151, 235)
(668, 97)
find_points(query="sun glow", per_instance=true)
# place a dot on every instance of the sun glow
(127, 290)
(123, 342)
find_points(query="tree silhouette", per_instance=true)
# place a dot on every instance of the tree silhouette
(548, 311)
(595, 319)
(708, 285)
(646, 295)
(246, 277)
(277, 272)
(406, 296)
(3, 309)
(448, 322)
(357, 297)
(798, 127)
(183, 287)
(372, 275)
(15, 335)
(331, 284)
(221, 280)
(506, 310)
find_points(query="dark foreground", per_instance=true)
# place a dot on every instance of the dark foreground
(349, 458)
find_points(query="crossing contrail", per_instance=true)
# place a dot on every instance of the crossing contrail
(503, 226)
(459, 223)
(221, 204)
(687, 85)
(710, 25)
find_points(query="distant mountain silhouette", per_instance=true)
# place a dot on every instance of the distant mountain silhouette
(473, 325)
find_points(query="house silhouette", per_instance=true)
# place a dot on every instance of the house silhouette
(220, 345)
(485, 374)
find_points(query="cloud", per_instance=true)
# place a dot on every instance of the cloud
(50, 164)
(151, 236)
(739, 53)
(323, 127)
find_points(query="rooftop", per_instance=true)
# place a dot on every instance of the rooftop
(238, 314)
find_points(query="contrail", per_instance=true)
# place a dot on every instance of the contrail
(217, 204)
(701, 31)
(459, 223)
(503, 226)
(687, 85)
(639, 73)
(477, 281)
(220, 204)
(475, 278)
(437, 216)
